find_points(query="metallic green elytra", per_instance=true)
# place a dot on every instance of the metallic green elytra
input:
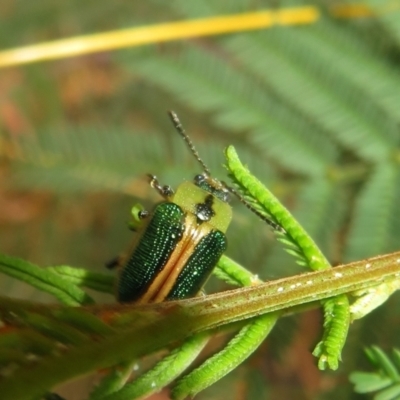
(179, 243)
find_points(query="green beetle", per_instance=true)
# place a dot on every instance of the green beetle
(180, 241)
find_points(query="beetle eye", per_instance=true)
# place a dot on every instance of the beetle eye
(199, 179)
(226, 196)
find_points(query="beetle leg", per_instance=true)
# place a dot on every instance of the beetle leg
(138, 215)
(165, 191)
(115, 262)
(137, 222)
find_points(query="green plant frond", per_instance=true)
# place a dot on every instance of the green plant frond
(396, 358)
(258, 164)
(196, 10)
(388, 18)
(369, 90)
(367, 300)
(85, 278)
(234, 353)
(247, 242)
(205, 82)
(321, 94)
(154, 380)
(235, 273)
(320, 209)
(220, 364)
(45, 280)
(250, 241)
(376, 207)
(336, 327)
(259, 196)
(394, 227)
(383, 362)
(87, 157)
(298, 102)
(390, 393)
(385, 381)
(336, 310)
(209, 8)
(238, 349)
(60, 19)
(374, 84)
(223, 276)
(70, 178)
(104, 336)
(366, 382)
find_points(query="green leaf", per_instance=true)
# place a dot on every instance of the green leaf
(234, 353)
(373, 217)
(391, 393)
(44, 280)
(286, 69)
(383, 361)
(386, 381)
(239, 104)
(366, 382)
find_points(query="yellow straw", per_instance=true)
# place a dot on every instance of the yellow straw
(155, 34)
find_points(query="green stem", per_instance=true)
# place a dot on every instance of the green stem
(293, 291)
(148, 328)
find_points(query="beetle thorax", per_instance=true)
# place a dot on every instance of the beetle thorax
(204, 203)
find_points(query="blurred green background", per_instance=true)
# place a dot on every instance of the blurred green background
(313, 110)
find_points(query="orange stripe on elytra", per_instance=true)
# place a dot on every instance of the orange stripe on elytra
(187, 251)
(159, 280)
(165, 280)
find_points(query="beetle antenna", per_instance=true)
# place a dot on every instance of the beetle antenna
(178, 126)
(260, 215)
